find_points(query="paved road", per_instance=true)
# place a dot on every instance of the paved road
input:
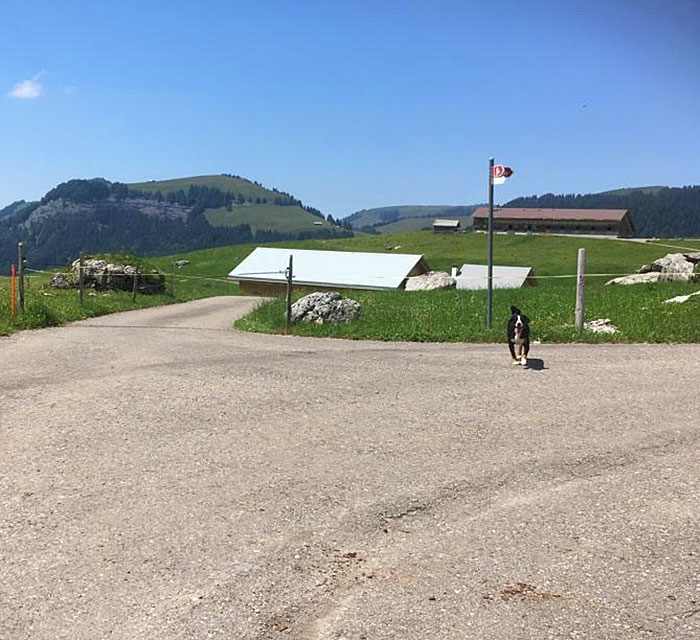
(163, 476)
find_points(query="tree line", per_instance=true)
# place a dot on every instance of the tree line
(109, 220)
(667, 212)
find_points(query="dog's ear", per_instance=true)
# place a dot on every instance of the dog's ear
(525, 318)
(514, 310)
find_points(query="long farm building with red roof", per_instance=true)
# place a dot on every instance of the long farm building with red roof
(605, 222)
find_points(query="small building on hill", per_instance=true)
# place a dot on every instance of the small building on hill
(263, 272)
(475, 276)
(446, 226)
(605, 222)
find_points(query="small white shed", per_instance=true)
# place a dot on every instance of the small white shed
(475, 276)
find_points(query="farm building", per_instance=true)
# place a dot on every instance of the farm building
(446, 226)
(607, 222)
(263, 271)
(475, 276)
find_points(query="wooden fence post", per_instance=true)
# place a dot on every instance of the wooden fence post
(580, 289)
(20, 268)
(136, 284)
(289, 294)
(80, 277)
(172, 284)
(12, 290)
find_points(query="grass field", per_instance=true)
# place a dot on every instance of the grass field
(442, 315)
(458, 316)
(266, 216)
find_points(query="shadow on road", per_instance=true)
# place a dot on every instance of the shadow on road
(535, 364)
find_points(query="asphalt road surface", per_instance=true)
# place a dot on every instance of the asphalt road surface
(164, 476)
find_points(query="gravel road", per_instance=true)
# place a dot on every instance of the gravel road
(164, 476)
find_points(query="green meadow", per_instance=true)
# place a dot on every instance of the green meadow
(452, 316)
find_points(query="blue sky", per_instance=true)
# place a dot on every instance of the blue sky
(352, 105)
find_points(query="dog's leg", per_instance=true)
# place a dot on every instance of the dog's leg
(512, 352)
(524, 351)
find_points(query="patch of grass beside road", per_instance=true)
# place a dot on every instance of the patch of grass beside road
(459, 316)
(49, 307)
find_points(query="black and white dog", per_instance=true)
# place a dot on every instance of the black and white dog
(518, 336)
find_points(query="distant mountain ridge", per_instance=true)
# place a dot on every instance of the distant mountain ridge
(153, 218)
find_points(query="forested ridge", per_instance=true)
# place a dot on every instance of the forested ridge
(101, 216)
(660, 212)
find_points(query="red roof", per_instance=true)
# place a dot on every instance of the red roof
(598, 215)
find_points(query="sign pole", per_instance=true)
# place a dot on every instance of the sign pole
(580, 289)
(289, 293)
(489, 298)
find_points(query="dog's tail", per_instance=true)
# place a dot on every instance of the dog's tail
(514, 310)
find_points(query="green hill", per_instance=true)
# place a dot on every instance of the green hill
(153, 218)
(223, 182)
(420, 224)
(380, 217)
(257, 206)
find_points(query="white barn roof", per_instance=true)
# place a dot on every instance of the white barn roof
(343, 269)
(475, 276)
(442, 222)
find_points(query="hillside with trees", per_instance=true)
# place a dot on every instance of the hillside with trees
(153, 219)
(655, 211)
(380, 219)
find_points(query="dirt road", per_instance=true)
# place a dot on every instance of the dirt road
(163, 476)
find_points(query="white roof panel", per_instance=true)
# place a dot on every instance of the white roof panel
(441, 222)
(347, 269)
(475, 276)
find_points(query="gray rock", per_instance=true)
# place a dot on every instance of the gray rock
(61, 281)
(682, 299)
(653, 276)
(429, 281)
(181, 263)
(602, 325)
(100, 274)
(325, 307)
(670, 263)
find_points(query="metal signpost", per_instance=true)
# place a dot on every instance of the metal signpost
(497, 175)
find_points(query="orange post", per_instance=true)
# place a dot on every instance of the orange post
(12, 290)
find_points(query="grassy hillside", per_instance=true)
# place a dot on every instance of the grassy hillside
(222, 182)
(287, 219)
(386, 215)
(420, 224)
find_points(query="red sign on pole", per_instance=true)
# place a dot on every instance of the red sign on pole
(499, 171)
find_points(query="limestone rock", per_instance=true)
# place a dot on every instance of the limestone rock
(325, 307)
(652, 276)
(181, 263)
(61, 281)
(429, 281)
(682, 299)
(602, 325)
(100, 274)
(670, 263)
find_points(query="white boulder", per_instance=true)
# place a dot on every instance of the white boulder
(429, 281)
(325, 307)
(602, 325)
